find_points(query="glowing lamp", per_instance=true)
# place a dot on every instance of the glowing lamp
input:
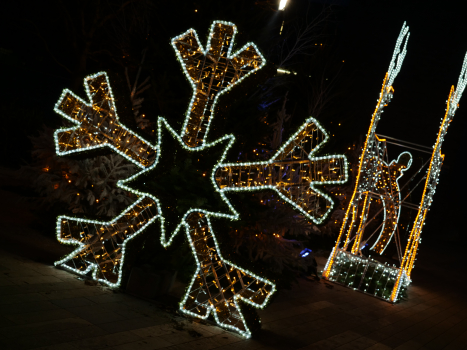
(282, 5)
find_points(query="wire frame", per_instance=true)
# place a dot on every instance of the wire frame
(218, 284)
(432, 177)
(293, 172)
(101, 245)
(365, 274)
(378, 178)
(389, 189)
(211, 73)
(99, 125)
(373, 176)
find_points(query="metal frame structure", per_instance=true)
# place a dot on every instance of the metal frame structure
(377, 178)
(217, 285)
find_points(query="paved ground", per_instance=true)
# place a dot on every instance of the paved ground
(42, 307)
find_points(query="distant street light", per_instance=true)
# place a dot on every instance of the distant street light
(282, 5)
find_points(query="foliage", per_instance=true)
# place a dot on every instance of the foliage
(86, 186)
(270, 233)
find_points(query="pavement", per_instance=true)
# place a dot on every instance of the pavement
(42, 307)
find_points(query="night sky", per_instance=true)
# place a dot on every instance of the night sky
(364, 36)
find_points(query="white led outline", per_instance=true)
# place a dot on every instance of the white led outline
(114, 108)
(384, 98)
(432, 177)
(81, 246)
(211, 309)
(121, 183)
(162, 122)
(400, 205)
(205, 52)
(312, 183)
(391, 271)
(394, 68)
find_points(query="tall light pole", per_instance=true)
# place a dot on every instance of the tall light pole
(282, 6)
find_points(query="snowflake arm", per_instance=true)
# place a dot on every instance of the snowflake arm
(98, 124)
(211, 72)
(101, 245)
(293, 172)
(217, 284)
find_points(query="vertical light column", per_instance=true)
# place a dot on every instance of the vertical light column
(432, 177)
(369, 166)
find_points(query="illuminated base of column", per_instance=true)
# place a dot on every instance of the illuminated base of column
(366, 275)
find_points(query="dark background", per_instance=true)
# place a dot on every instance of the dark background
(363, 35)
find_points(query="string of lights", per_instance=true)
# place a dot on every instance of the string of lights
(212, 72)
(374, 176)
(293, 172)
(378, 178)
(218, 285)
(98, 124)
(432, 179)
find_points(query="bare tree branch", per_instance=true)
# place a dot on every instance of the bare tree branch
(303, 37)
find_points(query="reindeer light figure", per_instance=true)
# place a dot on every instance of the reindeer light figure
(378, 179)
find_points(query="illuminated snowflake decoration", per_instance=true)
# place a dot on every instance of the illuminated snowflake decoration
(293, 172)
